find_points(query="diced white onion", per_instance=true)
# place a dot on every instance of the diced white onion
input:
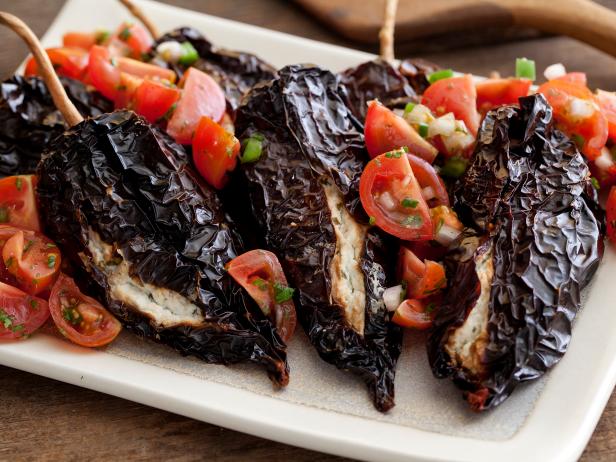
(459, 142)
(419, 115)
(446, 235)
(554, 71)
(428, 193)
(387, 201)
(444, 126)
(170, 51)
(399, 112)
(604, 161)
(581, 108)
(392, 297)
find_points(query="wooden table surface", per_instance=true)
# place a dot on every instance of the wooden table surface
(42, 419)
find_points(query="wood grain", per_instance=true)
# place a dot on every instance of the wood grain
(42, 419)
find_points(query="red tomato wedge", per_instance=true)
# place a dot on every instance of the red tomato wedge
(260, 274)
(154, 100)
(104, 75)
(610, 212)
(214, 152)
(412, 314)
(126, 90)
(80, 318)
(385, 131)
(577, 113)
(574, 77)
(136, 37)
(18, 202)
(457, 95)
(69, 62)
(607, 103)
(20, 313)
(31, 258)
(392, 197)
(428, 178)
(85, 40)
(492, 93)
(423, 279)
(144, 70)
(202, 96)
(411, 269)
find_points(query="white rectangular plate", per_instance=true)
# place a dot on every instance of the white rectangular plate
(322, 408)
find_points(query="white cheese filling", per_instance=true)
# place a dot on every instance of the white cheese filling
(348, 288)
(165, 307)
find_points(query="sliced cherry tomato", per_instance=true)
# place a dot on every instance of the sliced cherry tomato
(607, 103)
(20, 314)
(492, 93)
(260, 274)
(126, 90)
(136, 37)
(428, 178)
(85, 40)
(457, 95)
(392, 197)
(33, 259)
(202, 96)
(215, 152)
(432, 282)
(144, 70)
(18, 202)
(592, 127)
(386, 131)
(412, 313)
(610, 211)
(69, 62)
(80, 318)
(154, 100)
(104, 75)
(410, 267)
(574, 77)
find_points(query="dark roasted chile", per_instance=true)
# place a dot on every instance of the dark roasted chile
(29, 119)
(527, 195)
(376, 80)
(130, 183)
(312, 141)
(236, 72)
(416, 71)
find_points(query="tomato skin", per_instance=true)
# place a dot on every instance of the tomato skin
(136, 37)
(432, 281)
(386, 131)
(144, 70)
(18, 202)
(21, 314)
(391, 173)
(607, 103)
(427, 177)
(412, 313)
(410, 267)
(202, 96)
(80, 318)
(69, 62)
(257, 271)
(153, 100)
(104, 75)
(574, 77)
(492, 93)
(126, 91)
(215, 152)
(610, 211)
(83, 40)
(457, 95)
(593, 129)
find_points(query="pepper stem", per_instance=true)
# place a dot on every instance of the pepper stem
(60, 98)
(386, 34)
(140, 15)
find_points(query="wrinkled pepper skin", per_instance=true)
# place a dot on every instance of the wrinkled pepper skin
(128, 182)
(29, 119)
(313, 144)
(527, 198)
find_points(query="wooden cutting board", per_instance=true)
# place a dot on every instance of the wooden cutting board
(420, 19)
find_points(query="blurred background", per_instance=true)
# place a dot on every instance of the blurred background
(493, 46)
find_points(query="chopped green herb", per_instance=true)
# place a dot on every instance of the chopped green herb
(423, 130)
(189, 54)
(125, 34)
(371, 221)
(260, 283)
(6, 319)
(405, 148)
(50, 245)
(282, 293)
(4, 214)
(407, 202)
(102, 36)
(253, 148)
(17, 328)
(430, 307)
(525, 69)
(414, 221)
(9, 262)
(167, 115)
(579, 140)
(454, 167)
(72, 315)
(394, 154)
(34, 304)
(439, 75)
(28, 245)
(409, 108)
(18, 183)
(51, 261)
(439, 225)
(595, 183)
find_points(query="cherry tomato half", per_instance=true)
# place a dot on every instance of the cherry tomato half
(103, 74)
(20, 313)
(201, 96)
(492, 93)
(386, 131)
(610, 211)
(80, 318)
(260, 274)
(412, 313)
(154, 100)
(428, 178)
(457, 95)
(215, 152)
(69, 62)
(18, 202)
(136, 37)
(392, 197)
